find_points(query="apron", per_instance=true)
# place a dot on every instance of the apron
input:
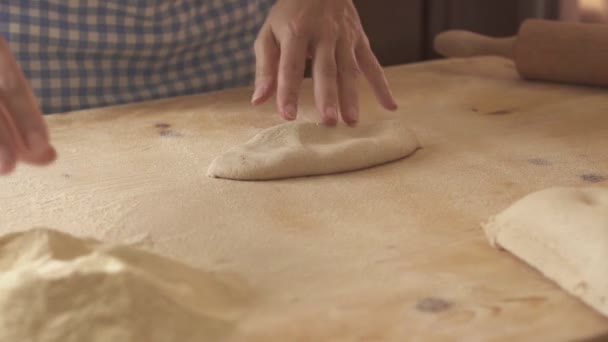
(79, 54)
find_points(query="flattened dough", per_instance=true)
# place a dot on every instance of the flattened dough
(299, 149)
(563, 233)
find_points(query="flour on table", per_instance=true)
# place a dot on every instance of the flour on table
(298, 149)
(58, 288)
(562, 232)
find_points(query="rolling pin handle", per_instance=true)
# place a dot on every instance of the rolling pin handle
(459, 43)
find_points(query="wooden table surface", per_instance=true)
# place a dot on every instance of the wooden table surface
(392, 253)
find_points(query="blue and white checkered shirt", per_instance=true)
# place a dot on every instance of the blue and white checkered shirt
(88, 53)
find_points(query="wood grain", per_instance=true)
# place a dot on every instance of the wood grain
(392, 253)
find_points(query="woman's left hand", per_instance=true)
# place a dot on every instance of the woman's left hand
(330, 32)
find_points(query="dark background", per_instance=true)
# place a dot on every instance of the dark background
(402, 31)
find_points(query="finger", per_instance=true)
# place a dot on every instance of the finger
(45, 158)
(40, 158)
(266, 64)
(348, 74)
(20, 103)
(8, 155)
(375, 75)
(292, 63)
(325, 80)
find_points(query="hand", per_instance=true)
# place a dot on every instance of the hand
(23, 132)
(330, 32)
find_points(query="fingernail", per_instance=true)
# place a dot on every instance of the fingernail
(393, 105)
(6, 160)
(258, 93)
(352, 116)
(48, 157)
(255, 96)
(290, 111)
(36, 142)
(331, 115)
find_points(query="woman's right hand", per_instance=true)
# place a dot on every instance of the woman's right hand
(24, 135)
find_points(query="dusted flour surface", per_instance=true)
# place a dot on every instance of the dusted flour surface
(55, 287)
(297, 149)
(562, 232)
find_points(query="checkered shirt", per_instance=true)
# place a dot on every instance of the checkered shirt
(89, 53)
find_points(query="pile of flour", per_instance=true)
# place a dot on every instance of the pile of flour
(58, 288)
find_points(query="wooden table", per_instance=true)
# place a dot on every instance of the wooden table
(392, 253)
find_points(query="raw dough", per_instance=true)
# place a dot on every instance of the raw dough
(298, 149)
(58, 288)
(562, 232)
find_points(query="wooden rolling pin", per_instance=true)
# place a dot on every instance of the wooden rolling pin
(543, 50)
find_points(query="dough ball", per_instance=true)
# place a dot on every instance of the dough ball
(55, 287)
